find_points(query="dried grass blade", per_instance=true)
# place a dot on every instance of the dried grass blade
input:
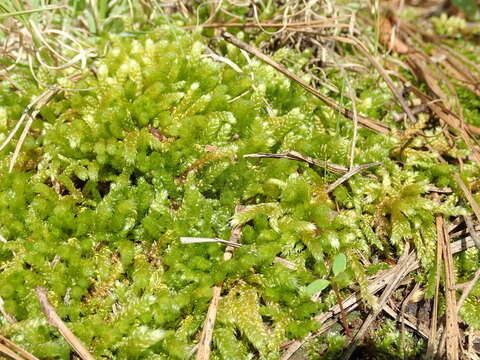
(18, 349)
(350, 174)
(404, 266)
(203, 351)
(433, 323)
(362, 120)
(451, 327)
(55, 321)
(293, 155)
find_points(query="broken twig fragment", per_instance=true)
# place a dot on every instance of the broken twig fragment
(196, 240)
(11, 346)
(203, 351)
(55, 321)
(352, 172)
(293, 155)
(362, 120)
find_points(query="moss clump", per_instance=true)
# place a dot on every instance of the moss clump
(110, 179)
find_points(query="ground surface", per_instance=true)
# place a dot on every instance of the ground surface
(237, 180)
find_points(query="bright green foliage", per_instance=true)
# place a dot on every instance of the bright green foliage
(110, 178)
(317, 286)
(339, 264)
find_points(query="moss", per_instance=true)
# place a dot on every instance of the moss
(155, 152)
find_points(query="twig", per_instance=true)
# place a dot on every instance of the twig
(362, 120)
(468, 289)
(40, 101)
(402, 319)
(404, 266)
(472, 231)
(55, 321)
(18, 349)
(451, 327)
(433, 323)
(197, 240)
(293, 155)
(377, 284)
(203, 351)
(350, 174)
(6, 351)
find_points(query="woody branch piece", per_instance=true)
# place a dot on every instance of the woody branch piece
(55, 321)
(362, 120)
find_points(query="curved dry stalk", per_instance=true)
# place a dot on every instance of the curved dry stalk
(378, 283)
(203, 350)
(296, 156)
(348, 175)
(40, 101)
(19, 350)
(362, 120)
(55, 321)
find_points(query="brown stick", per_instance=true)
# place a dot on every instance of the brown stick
(203, 352)
(348, 175)
(18, 349)
(55, 321)
(362, 120)
(451, 326)
(6, 351)
(468, 289)
(293, 155)
(433, 324)
(352, 301)
(404, 266)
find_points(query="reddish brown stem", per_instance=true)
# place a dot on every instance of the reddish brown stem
(343, 314)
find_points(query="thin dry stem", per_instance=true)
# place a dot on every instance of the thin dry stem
(351, 173)
(404, 266)
(362, 120)
(433, 323)
(468, 289)
(203, 351)
(451, 326)
(55, 321)
(293, 155)
(19, 350)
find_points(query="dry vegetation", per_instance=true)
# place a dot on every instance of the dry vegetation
(391, 87)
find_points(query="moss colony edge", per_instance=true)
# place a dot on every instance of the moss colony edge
(109, 179)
